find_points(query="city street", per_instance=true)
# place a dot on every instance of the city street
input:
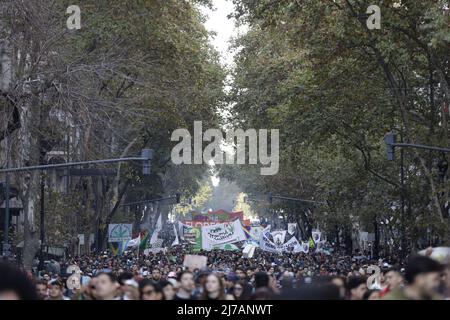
(230, 150)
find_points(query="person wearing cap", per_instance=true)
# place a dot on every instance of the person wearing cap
(230, 280)
(56, 290)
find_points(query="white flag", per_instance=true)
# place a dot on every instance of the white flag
(292, 227)
(305, 247)
(316, 236)
(176, 241)
(134, 242)
(158, 228)
(278, 236)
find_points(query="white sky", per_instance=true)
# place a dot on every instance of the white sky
(224, 27)
(225, 30)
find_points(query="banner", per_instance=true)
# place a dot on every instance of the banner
(119, 232)
(290, 245)
(197, 239)
(248, 251)
(187, 233)
(134, 242)
(158, 229)
(292, 228)
(266, 244)
(254, 233)
(305, 247)
(279, 237)
(144, 240)
(193, 262)
(117, 248)
(222, 233)
(176, 241)
(316, 236)
(226, 247)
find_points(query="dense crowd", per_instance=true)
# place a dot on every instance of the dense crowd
(229, 276)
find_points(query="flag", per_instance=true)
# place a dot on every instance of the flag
(292, 227)
(117, 248)
(311, 243)
(316, 235)
(305, 247)
(158, 228)
(176, 241)
(278, 236)
(134, 242)
(144, 243)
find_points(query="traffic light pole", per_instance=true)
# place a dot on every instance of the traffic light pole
(6, 244)
(177, 197)
(73, 164)
(390, 140)
(146, 156)
(298, 200)
(270, 198)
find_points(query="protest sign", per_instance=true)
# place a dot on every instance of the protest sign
(292, 227)
(229, 232)
(193, 262)
(119, 232)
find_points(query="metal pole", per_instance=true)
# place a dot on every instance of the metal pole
(42, 223)
(146, 201)
(299, 200)
(402, 200)
(70, 164)
(7, 192)
(420, 146)
(6, 217)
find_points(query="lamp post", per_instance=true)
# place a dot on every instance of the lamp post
(6, 245)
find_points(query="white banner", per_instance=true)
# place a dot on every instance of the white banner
(256, 232)
(134, 242)
(119, 232)
(221, 233)
(316, 236)
(158, 229)
(292, 227)
(305, 247)
(290, 245)
(279, 237)
(176, 241)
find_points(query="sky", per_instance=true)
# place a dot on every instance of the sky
(224, 27)
(225, 30)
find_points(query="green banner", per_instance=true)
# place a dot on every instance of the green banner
(198, 239)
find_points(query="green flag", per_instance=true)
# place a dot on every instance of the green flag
(145, 239)
(198, 239)
(311, 243)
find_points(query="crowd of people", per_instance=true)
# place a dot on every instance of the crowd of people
(229, 276)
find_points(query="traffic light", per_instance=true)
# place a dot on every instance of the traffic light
(390, 139)
(178, 197)
(245, 199)
(270, 197)
(146, 155)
